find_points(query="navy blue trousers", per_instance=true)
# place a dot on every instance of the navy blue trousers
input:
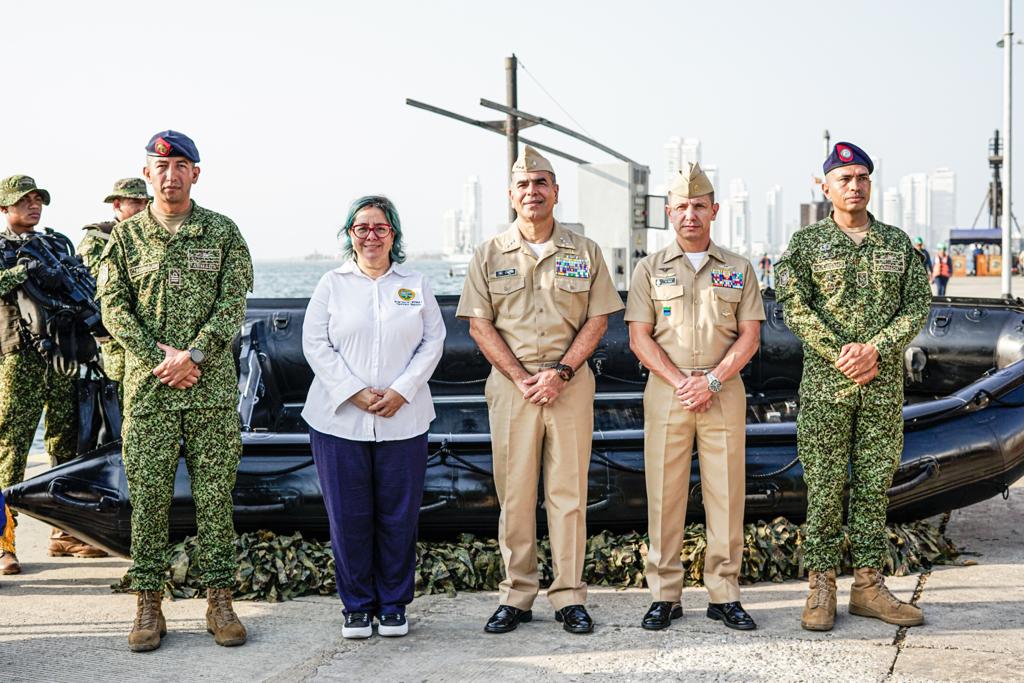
(372, 492)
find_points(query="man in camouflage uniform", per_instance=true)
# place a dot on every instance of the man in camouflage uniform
(28, 384)
(856, 294)
(128, 197)
(172, 282)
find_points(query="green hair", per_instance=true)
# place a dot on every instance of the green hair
(390, 213)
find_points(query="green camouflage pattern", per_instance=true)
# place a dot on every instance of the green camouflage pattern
(13, 188)
(212, 449)
(186, 290)
(28, 385)
(835, 292)
(90, 249)
(128, 188)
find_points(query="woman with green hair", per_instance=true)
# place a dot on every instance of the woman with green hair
(372, 334)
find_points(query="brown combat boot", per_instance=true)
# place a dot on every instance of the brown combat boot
(149, 626)
(9, 563)
(63, 544)
(820, 610)
(870, 598)
(221, 619)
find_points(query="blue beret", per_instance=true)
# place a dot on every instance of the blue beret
(847, 154)
(171, 143)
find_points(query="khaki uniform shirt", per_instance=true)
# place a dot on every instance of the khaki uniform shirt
(186, 290)
(695, 313)
(538, 304)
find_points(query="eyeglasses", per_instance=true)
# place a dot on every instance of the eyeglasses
(363, 230)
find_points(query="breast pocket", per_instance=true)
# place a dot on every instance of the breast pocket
(668, 301)
(572, 294)
(726, 301)
(828, 275)
(508, 295)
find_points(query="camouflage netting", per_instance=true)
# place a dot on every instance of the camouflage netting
(276, 568)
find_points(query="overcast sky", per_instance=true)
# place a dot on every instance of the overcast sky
(299, 107)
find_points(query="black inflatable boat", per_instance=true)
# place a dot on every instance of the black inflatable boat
(964, 425)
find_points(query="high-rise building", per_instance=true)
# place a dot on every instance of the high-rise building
(941, 204)
(720, 227)
(739, 217)
(689, 152)
(678, 151)
(914, 201)
(774, 236)
(450, 232)
(472, 201)
(892, 208)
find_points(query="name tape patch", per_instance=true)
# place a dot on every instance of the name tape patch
(662, 281)
(827, 265)
(204, 259)
(143, 268)
(508, 272)
(571, 265)
(889, 262)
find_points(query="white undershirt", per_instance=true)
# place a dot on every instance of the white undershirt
(696, 257)
(537, 249)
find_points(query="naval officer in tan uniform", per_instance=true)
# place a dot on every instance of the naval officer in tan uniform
(538, 297)
(694, 315)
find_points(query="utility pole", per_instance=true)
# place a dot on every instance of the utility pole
(1007, 258)
(511, 121)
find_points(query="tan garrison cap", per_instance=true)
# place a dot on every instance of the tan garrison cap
(128, 188)
(531, 160)
(691, 182)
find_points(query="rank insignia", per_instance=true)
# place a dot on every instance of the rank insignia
(827, 247)
(162, 147)
(571, 265)
(666, 311)
(862, 279)
(174, 277)
(732, 279)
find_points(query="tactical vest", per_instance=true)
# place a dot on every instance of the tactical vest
(10, 324)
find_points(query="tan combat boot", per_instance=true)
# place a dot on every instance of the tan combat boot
(820, 610)
(221, 619)
(63, 544)
(870, 598)
(149, 626)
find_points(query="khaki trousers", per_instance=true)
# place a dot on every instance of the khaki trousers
(669, 432)
(526, 439)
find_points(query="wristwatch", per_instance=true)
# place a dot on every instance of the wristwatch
(565, 372)
(197, 356)
(714, 384)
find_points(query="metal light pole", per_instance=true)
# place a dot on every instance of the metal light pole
(512, 121)
(1007, 258)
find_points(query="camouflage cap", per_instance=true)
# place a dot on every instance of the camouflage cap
(13, 188)
(128, 188)
(530, 161)
(691, 183)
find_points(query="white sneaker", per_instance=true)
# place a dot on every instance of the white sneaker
(392, 625)
(357, 625)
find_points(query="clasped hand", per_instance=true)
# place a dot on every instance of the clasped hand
(382, 402)
(859, 362)
(177, 369)
(693, 393)
(542, 388)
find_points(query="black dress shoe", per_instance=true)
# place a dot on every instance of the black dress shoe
(732, 615)
(575, 619)
(506, 618)
(661, 614)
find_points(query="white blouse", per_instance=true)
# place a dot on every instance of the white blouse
(359, 332)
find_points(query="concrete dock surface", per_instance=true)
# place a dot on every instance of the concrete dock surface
(59, 621)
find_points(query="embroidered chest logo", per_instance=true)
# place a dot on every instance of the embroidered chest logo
(889, 261)
(143, 268)
(732, 279)
(407, 297)
(571, 265)
(204, 259)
